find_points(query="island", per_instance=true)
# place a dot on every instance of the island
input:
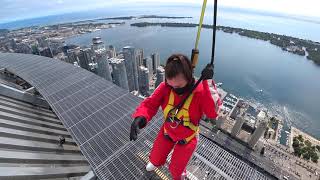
(163, 17)
(301, 47)
(144, 17)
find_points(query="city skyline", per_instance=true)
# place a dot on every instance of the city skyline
(128, 68)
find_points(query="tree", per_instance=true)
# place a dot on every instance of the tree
(318, 147)
(295, 143)
(297, 151)
(306, 156)
(314, 157)
(300, 138)
(303, 150)
(307, 143)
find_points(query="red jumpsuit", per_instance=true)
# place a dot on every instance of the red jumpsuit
(202, 103)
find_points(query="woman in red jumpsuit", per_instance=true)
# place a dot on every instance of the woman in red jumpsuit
(180, 129)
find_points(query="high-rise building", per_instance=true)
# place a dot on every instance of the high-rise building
(13, 43)
(93, 67)
(46, 52)
(155, 61)
(139, 57)
(237, 126)
(64, 58)
(73, 55)
(220, 121)
(42, 41)
(129, 54)
(258, 133)
(23, 48)
(147, 62)
(111, 52)
(55, 45)
(144, 80)
(160, 75)
(119, 74)
(97, 43)
(103, 69)
(85, 58)
(66, 47)
(35, 49)
(120, 55)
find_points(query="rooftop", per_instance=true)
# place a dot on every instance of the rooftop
(97, 114)
(116, 60)
(29, 144)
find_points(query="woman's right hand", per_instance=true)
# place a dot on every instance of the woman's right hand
(138, 122)
(207, 72)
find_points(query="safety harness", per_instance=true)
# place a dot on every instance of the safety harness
(180, 114)
(179, 117)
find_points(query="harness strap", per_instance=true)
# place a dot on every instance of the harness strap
(182, 141)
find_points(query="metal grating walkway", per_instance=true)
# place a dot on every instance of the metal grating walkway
(97, 114)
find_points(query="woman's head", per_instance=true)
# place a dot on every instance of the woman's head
(178, 71)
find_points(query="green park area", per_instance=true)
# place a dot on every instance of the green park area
(304, 148)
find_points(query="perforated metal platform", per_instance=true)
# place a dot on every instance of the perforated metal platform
(97, 114)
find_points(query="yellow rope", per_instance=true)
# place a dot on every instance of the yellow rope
(200, 22)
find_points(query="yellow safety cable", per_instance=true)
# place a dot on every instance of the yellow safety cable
(204, 5)
(195, 51)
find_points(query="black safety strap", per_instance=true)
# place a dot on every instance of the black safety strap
(179, 106)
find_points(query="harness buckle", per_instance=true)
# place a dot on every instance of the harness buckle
(173, 119)
(172, 116)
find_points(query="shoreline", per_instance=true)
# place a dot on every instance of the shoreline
(301, 47)
(296, 132)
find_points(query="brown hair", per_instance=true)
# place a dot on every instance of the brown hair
(176, 64)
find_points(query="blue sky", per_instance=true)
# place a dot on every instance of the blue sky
(21, 9)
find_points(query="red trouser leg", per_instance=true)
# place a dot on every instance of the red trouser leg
(160, 150)
(180, 158)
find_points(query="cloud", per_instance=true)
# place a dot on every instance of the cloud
(293, 7)
(20, 9)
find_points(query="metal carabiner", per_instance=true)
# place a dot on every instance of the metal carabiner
(177, 124)
(172, 118)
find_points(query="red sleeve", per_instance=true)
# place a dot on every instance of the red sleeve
(209, 105)
(149, 106)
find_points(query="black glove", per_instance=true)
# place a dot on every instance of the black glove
(207, 72)
(138, 122)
